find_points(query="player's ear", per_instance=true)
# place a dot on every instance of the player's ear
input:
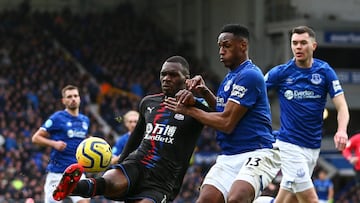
(314, 45)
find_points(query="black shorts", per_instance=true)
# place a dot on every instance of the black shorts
(142, 185)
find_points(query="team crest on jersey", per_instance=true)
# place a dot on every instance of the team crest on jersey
(85, 125)
(315, 79)
(179, 117)
(227, 86)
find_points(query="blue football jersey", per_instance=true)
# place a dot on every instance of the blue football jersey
(70, 129)
(322, 188)
(120, 144)
(245, 86)
(302, 95)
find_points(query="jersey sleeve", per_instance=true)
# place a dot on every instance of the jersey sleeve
(271, 78)
(333, 82)
(245, 89)
(50, 124)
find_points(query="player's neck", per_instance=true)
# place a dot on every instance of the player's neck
(73, 112)
(305, 64)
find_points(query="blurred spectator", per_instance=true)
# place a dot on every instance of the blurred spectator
(324, 187)
(130, 120)
(352, 154)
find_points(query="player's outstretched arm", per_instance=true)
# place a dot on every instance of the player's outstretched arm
(224, 121)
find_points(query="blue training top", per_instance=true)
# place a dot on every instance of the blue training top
(70, 129)
(302, 95)
(120, 144)
(245, 86)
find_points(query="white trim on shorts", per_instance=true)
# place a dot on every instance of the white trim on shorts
(262, 166)
(52, 180)
(297, 166)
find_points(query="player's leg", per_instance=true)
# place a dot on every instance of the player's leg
(258, 171)
(285, 196)
(219, 179)
(211, 194)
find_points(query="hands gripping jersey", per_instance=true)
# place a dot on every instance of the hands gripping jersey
(302, 94)
(70, 129)
(168, 141)
(245, 86)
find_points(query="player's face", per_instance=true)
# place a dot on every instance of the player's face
(130, 122)
(172, 78)
(232, 50)
(71, 99)
(303, 47)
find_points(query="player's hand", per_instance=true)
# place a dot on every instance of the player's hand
(340, 140)
(174, 105)
(353, 160)
(59, 145)
(197, 85)
(185, 97)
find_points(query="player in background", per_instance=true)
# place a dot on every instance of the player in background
(154, 161)
(324, 187)
(302, 85)
(62, 131)
(352, 154)
(247, 162)
(130, 120)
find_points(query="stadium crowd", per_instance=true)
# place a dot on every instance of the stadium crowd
(34, 66)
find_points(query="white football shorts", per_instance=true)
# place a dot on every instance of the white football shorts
(257, 167)
(297, 166)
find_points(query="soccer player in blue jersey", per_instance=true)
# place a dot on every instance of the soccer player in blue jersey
(248, 162)
(130, 120)
(62, 131)
(302, 85)
(324, 187)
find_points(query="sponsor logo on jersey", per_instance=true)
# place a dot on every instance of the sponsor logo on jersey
(289, 81)
(179, 117)
(336, 85)
(316, 79)
(296, 94)
(220, 101)
(228, 85)
(160, 132)
(238, 91)
(74, 133)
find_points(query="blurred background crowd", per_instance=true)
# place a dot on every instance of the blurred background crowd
(114, 57)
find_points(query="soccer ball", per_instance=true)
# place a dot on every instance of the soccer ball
(94, 154)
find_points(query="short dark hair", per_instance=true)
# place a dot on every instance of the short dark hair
(237, 30)
(303, 29)
(182, 61)
(68, 87)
